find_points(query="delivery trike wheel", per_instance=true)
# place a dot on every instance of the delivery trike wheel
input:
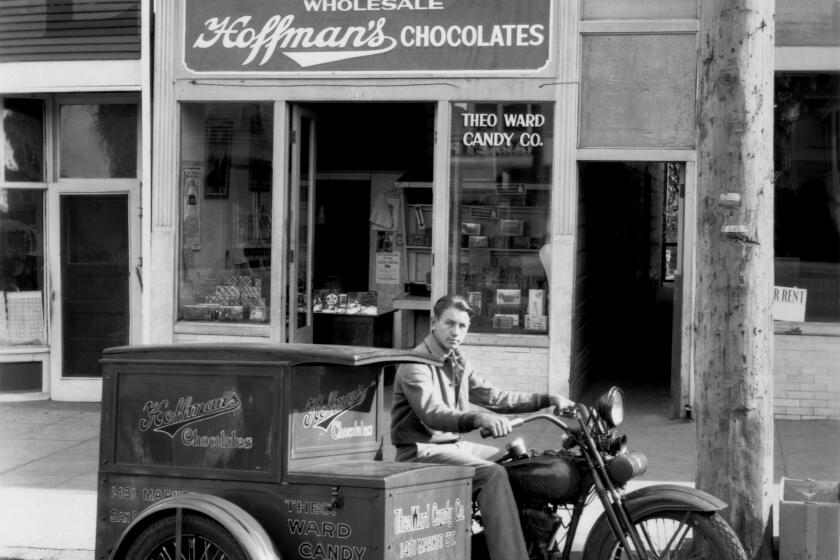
(200, 538)
(675, 535)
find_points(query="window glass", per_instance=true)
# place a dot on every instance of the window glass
(22, 267)
(98, 141)
(500, 189)
(807, 189)
(23, 138)
(225, 207)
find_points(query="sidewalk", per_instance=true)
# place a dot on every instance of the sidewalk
(50, 450)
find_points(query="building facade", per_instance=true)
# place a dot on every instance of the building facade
(75, 105)
(324, 170)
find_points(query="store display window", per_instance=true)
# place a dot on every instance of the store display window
(22, 267)
(98, 141)
(23, 132)
(225, 212)
(807, 189)
(499, 223)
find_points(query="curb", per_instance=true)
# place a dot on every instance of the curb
(11, 553)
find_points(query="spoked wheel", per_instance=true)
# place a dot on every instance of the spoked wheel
(673, 535)
(201, 538)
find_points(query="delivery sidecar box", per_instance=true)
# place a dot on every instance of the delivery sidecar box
(277, 445)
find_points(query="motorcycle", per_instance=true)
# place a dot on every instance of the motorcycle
(553, 487)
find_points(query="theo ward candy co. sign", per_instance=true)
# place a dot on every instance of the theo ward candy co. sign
(367, 35)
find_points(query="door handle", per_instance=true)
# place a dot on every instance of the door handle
(138, 271)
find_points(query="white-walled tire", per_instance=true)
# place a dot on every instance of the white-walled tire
(201, 537)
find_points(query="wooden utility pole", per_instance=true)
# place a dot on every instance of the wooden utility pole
(733, 324)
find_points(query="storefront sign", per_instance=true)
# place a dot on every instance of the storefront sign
(391, 36)
(789, 304)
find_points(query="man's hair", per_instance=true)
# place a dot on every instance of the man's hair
(458, 302)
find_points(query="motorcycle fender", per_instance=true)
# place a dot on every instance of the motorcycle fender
(660, 497)
(650, 499)
(247, 531)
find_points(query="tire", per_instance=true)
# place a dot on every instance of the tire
(701, 536)
(201, 537)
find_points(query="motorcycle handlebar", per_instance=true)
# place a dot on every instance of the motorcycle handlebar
(485, 433)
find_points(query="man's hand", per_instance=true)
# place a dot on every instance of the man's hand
(560, 403)
(496, 424)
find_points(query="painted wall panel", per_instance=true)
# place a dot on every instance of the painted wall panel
(639, 9)
(807, 23)
(637, 91)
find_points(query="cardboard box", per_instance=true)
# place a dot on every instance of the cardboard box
(505, 321)
(511, 227)
(536, 302)
(417, 239)
(258, 314)
(470, 228)
(809, 519)
(520, 242)
(500, 242)
(200, 312)
(536, 323)
(508, 297)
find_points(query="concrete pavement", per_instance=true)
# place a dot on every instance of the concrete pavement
(48, 465)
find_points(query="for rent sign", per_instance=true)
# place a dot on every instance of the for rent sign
(367, 35)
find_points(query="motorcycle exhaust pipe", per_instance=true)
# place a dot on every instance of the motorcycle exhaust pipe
(627, 466)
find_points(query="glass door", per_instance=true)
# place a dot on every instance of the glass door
(95, 280)
(301, 224)
(94, 249)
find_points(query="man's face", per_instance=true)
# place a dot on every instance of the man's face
(451, 328)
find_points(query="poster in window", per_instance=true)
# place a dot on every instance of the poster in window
(387, 268)
(218, 136)
(191, 176)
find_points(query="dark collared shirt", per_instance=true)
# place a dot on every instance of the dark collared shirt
(432, 404)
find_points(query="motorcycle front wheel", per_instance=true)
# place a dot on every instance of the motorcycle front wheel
(672, 535)
(200, 538)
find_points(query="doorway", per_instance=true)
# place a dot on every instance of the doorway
(627, 276)
(346, 162)
(96, 287)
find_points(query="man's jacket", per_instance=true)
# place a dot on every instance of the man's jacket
(433, 404)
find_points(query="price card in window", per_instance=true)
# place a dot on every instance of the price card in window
(387, 268)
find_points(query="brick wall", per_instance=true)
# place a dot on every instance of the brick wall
(512, 368)
(806, 374)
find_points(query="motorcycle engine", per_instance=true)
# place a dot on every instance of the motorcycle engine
(538, 525)
(551, 478)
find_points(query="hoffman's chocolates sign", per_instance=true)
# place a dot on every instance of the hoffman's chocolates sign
(426, 36)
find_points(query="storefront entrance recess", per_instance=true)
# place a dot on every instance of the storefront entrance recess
(347, 235)
(627, 275)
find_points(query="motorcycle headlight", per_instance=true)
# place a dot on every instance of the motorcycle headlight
(611, 407)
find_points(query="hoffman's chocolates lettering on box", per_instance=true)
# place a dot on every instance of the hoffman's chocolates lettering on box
(334, 410)
(190, 419)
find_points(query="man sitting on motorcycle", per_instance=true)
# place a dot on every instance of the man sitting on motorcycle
(431, 410)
